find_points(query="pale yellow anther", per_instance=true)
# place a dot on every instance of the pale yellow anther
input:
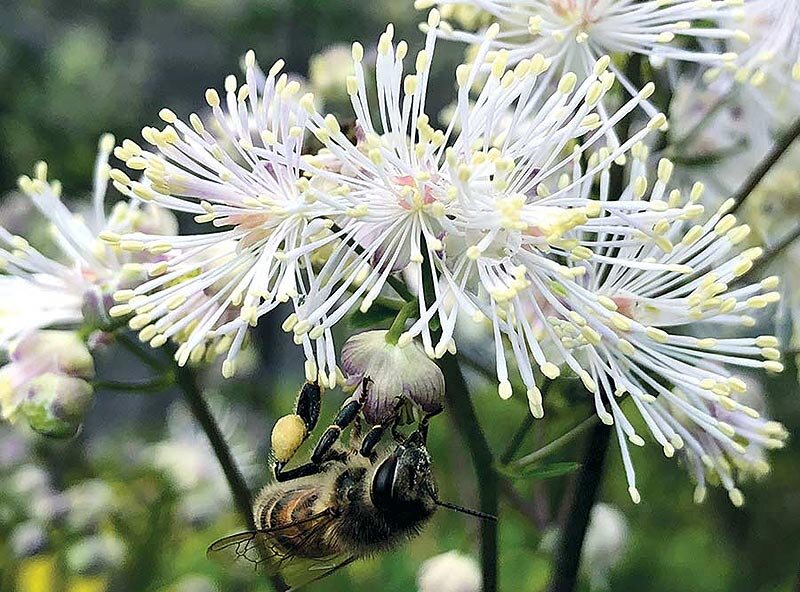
(658, 335)
(567, 83)
(665, 168)
(550, 370)
(770, 283)
(767, 341)
(212, 98)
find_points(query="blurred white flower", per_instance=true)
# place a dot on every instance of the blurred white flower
(243, 175)
(722, 462)
(185, 456)
(605, 544)
(37, 291)
(773, 51)
(328, 71)
(449, 572)
(575, 33)
(96, 554)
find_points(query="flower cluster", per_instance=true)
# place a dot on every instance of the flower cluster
(46, 378)
(525, 213)
(575, 33)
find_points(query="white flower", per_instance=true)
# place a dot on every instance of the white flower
(449, 572)
(37, 291)
(773, 27)
(243, 176)
(575, 33)
(710, 461)
(623, 325)
(522, 204)
(605, 544)
(418, 195)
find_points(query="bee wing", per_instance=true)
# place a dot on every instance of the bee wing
(260, 548)
(308, 571)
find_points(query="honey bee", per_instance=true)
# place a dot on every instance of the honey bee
(345, 504)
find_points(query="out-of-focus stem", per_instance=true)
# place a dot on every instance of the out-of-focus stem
(556, 444)
(565, 572)
(187, 382)
(782, 144)
(770, 255)
(460, 406)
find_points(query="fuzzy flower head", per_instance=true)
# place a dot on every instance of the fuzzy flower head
(623, 325)
(524, 203)
(575, 33)
(418, 195)
(243, 180)
(773, 27)
(726, 463)
(37, 291)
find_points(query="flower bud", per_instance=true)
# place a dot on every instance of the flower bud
(55, 351)
(395, 371)
(54, 404)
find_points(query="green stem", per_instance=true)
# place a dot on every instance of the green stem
(463, 413)
(187, 382)
(771, 254)
(399, 324)
(556, 444)
(782, 144)
(568, 556)
(135, 347)
(147, 386)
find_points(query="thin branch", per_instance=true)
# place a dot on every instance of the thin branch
(187, 382)
(782, 144)
(565, 573)
(460, 406)
(771, 254)
(556, 444)
(145, 386)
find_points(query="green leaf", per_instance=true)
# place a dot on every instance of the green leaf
(377, 316)
(541, 472)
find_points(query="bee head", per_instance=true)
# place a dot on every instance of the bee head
(402, 485)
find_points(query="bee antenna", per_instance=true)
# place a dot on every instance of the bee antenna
(471, 512)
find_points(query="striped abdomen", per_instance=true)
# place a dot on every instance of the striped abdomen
(291, 512)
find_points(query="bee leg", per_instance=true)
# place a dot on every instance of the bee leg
(371, 440)
(344, 418)
(308, 405)
(422, 428)
(397, 417)
(301, 471)
(356, 433)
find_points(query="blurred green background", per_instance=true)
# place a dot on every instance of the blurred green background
(132, 503)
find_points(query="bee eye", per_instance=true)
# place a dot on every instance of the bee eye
(383, 481)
